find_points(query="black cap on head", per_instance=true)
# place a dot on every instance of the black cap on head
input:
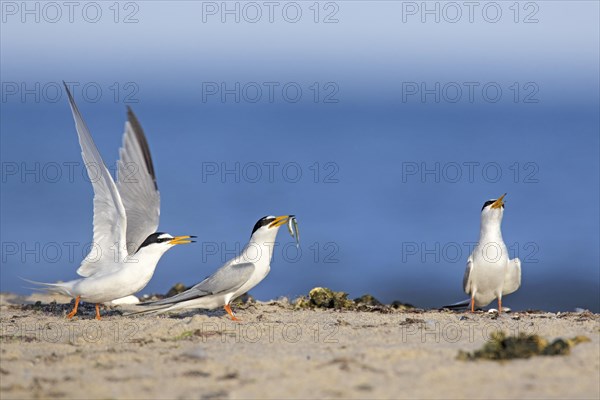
(262, 222)
(489, 202)
(154, 238)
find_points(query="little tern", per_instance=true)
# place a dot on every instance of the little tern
(126, 247)
(490, 274)
(236, 277)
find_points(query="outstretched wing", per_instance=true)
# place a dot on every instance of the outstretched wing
(467, 276)
(137, 186)
(227, 279)
(512, 278)
(110, 221)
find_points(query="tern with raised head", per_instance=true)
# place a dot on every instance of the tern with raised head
(490, 274)
(236, 277)
(126, 247)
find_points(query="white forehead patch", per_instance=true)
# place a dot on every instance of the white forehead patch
(165, 236)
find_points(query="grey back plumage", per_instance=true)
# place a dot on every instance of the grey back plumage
(467, 276)
(228, 278)
(512, 279)
(136, 181)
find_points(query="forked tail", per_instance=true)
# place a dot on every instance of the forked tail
(58, 288)
(148, 310)
(461, 305)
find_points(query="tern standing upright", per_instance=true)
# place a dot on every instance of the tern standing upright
(490, 274)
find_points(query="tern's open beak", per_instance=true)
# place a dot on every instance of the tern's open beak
(279, 221)
(182, 240)
(498, 203)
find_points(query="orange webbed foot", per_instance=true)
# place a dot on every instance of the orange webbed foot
(231, 314)
(74, 310)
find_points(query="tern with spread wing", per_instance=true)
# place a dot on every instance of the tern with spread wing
(235, 277)
(490, 274)
(126, 247)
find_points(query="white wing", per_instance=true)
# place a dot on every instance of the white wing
(467, 276)
(512, 278)
(110, 222)
(137, 184)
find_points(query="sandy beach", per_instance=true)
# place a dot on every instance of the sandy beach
(279, 351)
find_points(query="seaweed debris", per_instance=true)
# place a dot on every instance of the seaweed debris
(501, 347)
(176, 289)
(320, 297)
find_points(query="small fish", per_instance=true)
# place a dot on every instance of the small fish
(292, 226)
(297, 232)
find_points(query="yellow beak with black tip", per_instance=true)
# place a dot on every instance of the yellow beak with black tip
(498, 203)
(182, 240)
(279, 221)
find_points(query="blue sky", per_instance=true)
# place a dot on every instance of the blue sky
(384, 134)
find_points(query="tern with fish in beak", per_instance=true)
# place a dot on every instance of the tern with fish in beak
(235, 277)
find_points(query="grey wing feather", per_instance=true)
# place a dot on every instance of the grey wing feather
(136, 181)
(512, 278)
(110, 221)
(228, 278)
(467, 276)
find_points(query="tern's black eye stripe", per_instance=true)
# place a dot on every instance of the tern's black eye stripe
(487, 203)
(262, 222)
(153, 238)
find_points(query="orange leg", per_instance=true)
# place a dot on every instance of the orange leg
(228, 309)
(98, 311)
(499, 305)
(74, 310)
(472, 303)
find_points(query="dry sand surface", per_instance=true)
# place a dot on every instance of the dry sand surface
(279, 352)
